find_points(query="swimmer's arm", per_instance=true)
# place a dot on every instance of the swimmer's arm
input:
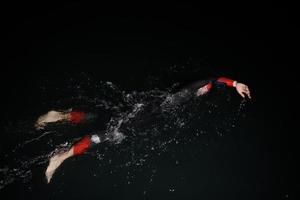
(241, 88)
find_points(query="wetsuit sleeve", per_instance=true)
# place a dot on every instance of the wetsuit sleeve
(198, 84)
(225, 81)
(191, 90)
(210, 83)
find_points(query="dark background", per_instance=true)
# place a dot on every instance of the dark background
(126, 43)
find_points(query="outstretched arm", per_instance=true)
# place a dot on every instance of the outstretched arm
(241, 88)
(78, 148)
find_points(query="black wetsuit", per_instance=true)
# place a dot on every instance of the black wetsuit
(172, 100)
(190, 91)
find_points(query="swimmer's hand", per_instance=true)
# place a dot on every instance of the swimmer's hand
(243, 90)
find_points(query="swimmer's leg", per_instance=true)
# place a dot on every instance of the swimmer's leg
(56, 116)
(78, 148)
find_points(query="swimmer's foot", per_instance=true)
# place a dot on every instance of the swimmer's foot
(50, 117)
(55, 162)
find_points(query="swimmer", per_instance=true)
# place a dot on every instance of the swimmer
(196, 89)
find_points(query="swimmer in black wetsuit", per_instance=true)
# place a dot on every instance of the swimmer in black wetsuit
(196, 89)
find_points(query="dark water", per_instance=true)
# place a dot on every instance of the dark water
(218, 147)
